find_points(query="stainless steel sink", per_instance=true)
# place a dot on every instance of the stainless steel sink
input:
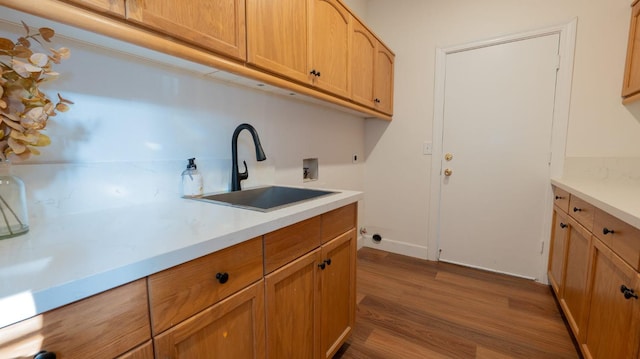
(264, 199)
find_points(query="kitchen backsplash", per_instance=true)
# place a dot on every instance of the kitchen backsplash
(610, 170)
(135, 122)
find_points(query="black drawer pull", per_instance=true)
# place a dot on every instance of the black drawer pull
(559, 197)
(628, 293)
(606, 231)
(563, 225)
(43, 354)
(222, 277)
(576, 209)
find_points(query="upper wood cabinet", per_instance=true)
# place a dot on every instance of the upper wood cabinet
(631, 82)
(372, 70)
(278, 38)
(215, 25)
(383, 79)
(363, 59)
(112, 7)
(306, 40)
(330, 35)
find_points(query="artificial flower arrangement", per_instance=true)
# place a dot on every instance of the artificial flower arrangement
(24, 108)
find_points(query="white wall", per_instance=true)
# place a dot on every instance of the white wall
(398, 175)
(135, 122)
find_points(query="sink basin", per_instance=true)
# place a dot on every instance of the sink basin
(264, 199)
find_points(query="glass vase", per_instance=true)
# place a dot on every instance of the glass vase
(14, 219)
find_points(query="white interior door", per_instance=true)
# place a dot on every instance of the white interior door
(497, 125)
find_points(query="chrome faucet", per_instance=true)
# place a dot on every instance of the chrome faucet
(236, 175)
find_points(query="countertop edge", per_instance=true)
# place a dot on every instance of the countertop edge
(599, 200)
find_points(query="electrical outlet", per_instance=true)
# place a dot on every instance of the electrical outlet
(354, 158)
(427, 148)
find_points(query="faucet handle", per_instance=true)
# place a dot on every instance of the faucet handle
(244, 175)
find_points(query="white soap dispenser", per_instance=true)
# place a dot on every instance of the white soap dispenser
(191, 180)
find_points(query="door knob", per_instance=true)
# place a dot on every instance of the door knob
(448, 172)
(448, 157)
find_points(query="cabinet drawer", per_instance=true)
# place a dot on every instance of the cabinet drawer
(582, 212)
(179, 292)
(561, 199)
(286, 244)
(621, 237)
(102, 326)
(338, 221)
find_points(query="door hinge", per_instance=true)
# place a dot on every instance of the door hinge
(541, 247)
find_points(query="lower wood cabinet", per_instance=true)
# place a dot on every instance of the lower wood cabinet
(232, 328)
(287, 294)
(575, 279)
(310, 303)
(106, 325)
(558, 250)
(293, 308)
(594, 265)
(338, 292)
(613, 321)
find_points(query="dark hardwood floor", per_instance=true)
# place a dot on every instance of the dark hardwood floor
(410, 308)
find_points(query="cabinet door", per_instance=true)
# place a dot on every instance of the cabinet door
(112, 7)
(575, 278)
(278, 37)
(215, 25)
(330, 34)
(144, 351)
(613, 329)
(293, 309)
(338, 292)
(233, 328)
(363, 57)
(383, 80)
(631, 84)
(557, 251)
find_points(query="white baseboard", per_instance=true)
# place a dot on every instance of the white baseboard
(392, 246)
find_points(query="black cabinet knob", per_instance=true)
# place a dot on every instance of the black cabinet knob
(563, 225)
(322, 265)
(628, 292)
(222, 277)
(559, 197)
(576, 209)
(377, 100)
(606, 231)
(328, 261)
(43, 354)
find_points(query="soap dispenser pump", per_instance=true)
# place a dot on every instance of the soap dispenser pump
(191, 180)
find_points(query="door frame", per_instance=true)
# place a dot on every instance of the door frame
(567, 34)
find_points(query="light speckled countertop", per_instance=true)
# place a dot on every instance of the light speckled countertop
(75, 256)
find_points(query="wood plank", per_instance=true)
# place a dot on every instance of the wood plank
(411, 308)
